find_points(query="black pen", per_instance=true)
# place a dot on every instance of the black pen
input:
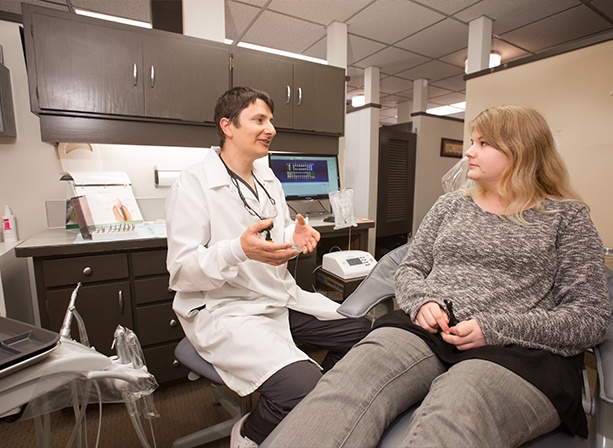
(453, 321)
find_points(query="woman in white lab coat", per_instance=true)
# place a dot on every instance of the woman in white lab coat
(229, 270)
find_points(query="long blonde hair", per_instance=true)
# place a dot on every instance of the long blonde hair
(535, 171)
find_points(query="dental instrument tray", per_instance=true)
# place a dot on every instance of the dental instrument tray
(23, 344)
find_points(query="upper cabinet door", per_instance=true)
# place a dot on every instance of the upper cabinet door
(319, 98)
(308, 96)
(86, 68)
(184, 78)
(271, 75)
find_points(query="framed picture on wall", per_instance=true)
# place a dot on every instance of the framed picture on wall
(451, 148)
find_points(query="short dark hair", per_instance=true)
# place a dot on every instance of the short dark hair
(231, 104)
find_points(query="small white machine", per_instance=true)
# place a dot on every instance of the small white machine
(348, 264)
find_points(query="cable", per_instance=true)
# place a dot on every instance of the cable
(293, 209)
(296, 264)
(322, 206)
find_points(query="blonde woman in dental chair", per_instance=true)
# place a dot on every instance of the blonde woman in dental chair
(501, 291)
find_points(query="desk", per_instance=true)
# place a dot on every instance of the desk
(355, 238)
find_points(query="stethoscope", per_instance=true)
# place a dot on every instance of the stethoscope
(235, 180)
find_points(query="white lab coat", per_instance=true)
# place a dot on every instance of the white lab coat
(233, 310)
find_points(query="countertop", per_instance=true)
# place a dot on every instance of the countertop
(53, 242)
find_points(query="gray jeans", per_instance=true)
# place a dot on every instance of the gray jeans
(284, 389)
(475, 403)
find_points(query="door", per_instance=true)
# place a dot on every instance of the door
(183, 78)
(396, 186)
(319, 98)
(83, 67)
(102, 307)
(272, 75)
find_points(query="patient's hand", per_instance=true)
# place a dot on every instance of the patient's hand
(431, 317)
(465, 335)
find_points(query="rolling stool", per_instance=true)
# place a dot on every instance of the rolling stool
(187, 355)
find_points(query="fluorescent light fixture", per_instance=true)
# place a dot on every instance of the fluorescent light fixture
(98, 15)
(358, 100)
(282, 53)
(495, 61)
(448, 110)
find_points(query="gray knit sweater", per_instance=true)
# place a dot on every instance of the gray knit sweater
(540, 286)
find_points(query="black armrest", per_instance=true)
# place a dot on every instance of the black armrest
(604, 355)
(376, 287)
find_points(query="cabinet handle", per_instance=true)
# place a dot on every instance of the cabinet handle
(87, 271)
(299, 96)
(288, 94)
(135, 75)
(152, 76)
(173, 323)
(120, 300)
(176, 363)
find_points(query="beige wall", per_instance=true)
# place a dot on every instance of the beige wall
(30, 169)
(574, 91)
(430, 166)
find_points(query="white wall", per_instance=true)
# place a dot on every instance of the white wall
(574, 91)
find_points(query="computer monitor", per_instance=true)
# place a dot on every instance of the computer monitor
(305, 176)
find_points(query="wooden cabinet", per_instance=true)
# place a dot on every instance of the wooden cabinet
(79, 65)
(308, 96)
(156, 324)
(119, 286)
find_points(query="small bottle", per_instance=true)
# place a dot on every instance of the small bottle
(9, 229)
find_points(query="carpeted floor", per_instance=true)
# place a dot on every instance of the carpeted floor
(184, 407)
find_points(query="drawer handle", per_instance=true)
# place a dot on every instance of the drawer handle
(87, 271)
(176, 364)
(173, 323)
(120, 300)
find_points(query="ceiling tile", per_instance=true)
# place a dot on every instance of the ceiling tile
(455, 83)
(278, 31)
(323, 12)
(392, 60)
(604, 6)
(135, 9)
(389, 21)
(433, 70)
(392, 84)
(508, 15)
(447, 7)
(577, 22)
(444, 100)
(358, 48)
(356, 77)
(437, 40)
(238, 17)
(437, 91)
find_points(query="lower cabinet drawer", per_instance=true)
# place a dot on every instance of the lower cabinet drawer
(161, 363)
(157, 323)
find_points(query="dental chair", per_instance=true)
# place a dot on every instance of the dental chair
(378, 290)
(187, 355)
